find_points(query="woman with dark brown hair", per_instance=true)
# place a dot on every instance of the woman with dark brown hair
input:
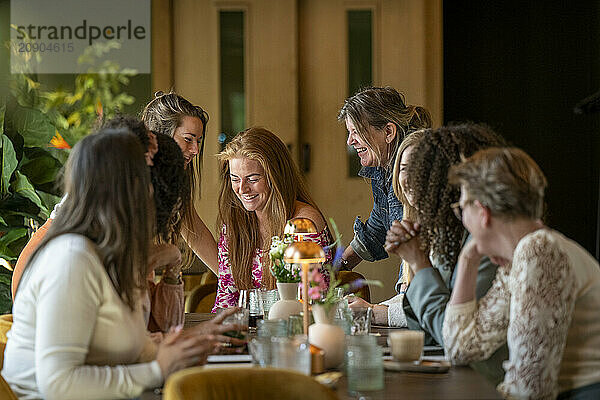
(261, 189)
(78, 329)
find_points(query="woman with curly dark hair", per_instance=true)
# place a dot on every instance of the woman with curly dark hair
(431, 244)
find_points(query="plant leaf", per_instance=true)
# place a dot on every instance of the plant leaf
(23, 187)
(12, 235)
(2, 113)
(41, 169)
(34, 126)
(9, 163)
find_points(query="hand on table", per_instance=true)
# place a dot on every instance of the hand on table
(216, 328)
(380, 312)
(178, 351)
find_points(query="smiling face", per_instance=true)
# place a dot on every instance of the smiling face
(403, 176)
(249, 183)
(189, 137)
(368, 157)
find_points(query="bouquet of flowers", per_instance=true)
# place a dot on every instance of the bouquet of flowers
(282, 271)
(328, 295)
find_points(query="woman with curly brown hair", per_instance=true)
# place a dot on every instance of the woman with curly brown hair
(430, 245)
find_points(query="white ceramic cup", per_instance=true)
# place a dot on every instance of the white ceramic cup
(406, 345)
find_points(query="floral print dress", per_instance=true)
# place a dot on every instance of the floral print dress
(227, 292)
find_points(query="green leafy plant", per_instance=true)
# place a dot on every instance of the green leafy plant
(282, 271)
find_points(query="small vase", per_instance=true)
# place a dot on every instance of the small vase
(327, 336)
(289, 304)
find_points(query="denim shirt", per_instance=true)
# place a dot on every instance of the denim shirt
(369, 237)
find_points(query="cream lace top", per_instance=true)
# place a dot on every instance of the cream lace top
(547, 307)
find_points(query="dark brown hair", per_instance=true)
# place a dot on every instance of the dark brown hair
(108, 201)
(427, 177)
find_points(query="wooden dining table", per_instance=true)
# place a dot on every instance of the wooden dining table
(458, 383)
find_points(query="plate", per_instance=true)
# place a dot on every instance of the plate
(433, 367)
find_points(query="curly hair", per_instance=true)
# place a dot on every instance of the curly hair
(441, 232)
(171, 189)
(135, 125)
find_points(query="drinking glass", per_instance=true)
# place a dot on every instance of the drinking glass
(272, 327)
(361, 320)
(260, 349)
(267, 298)
(240, 317)
(291, 353)
(248, 299)
(364, 363)
(295, 325)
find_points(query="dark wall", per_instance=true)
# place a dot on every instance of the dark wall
(521, 67)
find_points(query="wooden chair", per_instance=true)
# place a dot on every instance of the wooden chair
(351, 276)
(244, 383)
(201, 299)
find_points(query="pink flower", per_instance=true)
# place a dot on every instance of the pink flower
(314, 293)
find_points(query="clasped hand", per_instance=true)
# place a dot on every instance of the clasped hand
(402, 239)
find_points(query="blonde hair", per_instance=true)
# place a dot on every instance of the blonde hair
(286, 187)
(376, 107)
(506, 180)
(164, 114)
(409, 212)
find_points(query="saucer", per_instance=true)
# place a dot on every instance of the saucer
(434, 367)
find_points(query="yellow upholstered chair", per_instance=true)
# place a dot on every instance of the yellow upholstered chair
(208, 277)
(201, 299)
(6, 392)
(244, 384)
(351, 276)
(5, 325)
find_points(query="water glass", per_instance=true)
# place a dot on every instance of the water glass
(260, 350)
(291, 353)
(271, 327)
(361, 320)
(343, 316)
(266, 300)
(295, 325)
(240, 317)
(248, 299)
(364, 364)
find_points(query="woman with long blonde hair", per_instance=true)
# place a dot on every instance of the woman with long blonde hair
(175, 116)
(261, 189)
(390, 312)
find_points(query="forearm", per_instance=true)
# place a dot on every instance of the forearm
(199, 238)
(350, 259)
(466, 281)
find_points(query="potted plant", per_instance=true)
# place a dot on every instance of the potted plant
(287, 276)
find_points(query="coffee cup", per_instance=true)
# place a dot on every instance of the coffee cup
(406, 345)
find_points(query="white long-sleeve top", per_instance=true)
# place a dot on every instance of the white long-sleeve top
(546, 307)
(72, 336)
